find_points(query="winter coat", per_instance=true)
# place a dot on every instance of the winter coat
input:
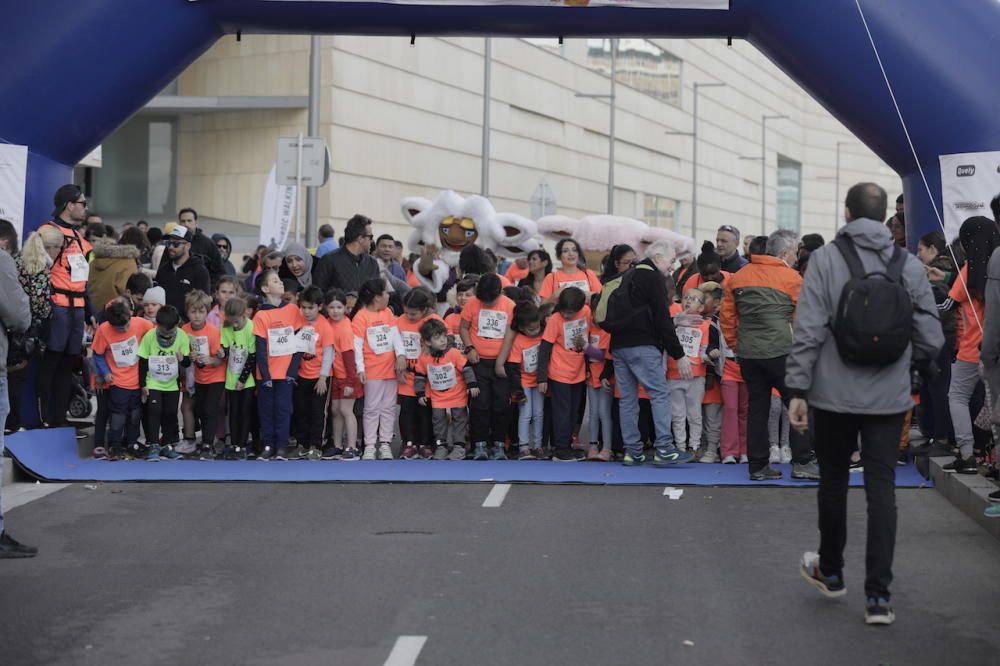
(15, 311)
(110, 269)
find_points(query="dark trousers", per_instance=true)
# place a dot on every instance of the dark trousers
(274, 406)
(762, 375)
(206, 409)
(55, 386)
(565, 403)
(836, 435)
(935, 421)
(161, 417)
(491, 410)
(310, 413)
(415, 422)
(15, 386)
(241, 416)
(124, 407)
(101, 419)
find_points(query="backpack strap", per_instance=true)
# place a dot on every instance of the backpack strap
(850, 254)
(896, 264)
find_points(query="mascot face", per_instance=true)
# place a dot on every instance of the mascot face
(453, 222)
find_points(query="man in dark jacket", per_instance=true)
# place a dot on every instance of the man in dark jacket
(225, 247)
(352, 265)
(727, 244)
(180, 271)
(202, 246)
(638, 354)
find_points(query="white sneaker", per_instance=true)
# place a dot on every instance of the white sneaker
(775, 454)
(786, 455)
(743, 459)
(369, 453)
(384, 452)
(729, 460)
(186, 447)
(710, 457)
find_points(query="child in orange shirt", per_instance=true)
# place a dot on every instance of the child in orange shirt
(562, 367)
(444, 382)
(712, 402)
(414, 419)
(465, 290)
(378, 352)
(208, 371)
(274, 328)
(115, 349)
(598, 397)
(345, 387)
(521, 365)
(315, 341)
(686, 394)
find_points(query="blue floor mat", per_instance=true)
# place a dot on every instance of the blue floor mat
(52, 455)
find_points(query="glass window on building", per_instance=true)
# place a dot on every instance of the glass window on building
(789, 194)
(641, 65)
(660, 211)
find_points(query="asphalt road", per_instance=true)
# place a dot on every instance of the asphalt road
(335, 574)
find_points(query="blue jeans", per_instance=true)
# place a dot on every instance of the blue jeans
(275, 405)
(4, 411)
(643, 365)
(599, 402)
(531, 418)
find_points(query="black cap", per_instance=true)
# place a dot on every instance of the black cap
(65, 195)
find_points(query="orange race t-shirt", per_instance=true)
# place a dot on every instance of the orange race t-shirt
(409, 331)
(277, 326)
(375, 331)
(123, 359)
(565, 364)
(602, 340)
(524, 352)
(454, 322)
(970, 336)
(488, 324)
(731, 371)
(312, 338)
(694, 340)
(696, 281)
(343, 341)
(585, 279)
(206, 341)
(713, 395)
(446, 387)
(515, 274)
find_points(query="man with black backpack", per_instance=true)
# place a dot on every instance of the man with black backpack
(866, 317)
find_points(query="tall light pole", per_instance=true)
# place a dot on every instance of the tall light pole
(694, 154)
(484, 182)
(837, 210)
(611, 129)
(763, 168)
(312, 193)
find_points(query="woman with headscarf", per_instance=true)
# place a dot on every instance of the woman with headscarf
(297, 266)
(979, 237)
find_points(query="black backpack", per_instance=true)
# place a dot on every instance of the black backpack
(615, 309)
(873, 324)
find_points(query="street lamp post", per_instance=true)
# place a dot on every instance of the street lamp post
(484, 182)
(611, 125)
(837, 210)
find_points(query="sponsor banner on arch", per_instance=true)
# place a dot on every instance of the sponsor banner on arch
(968, 182)
(650, 4)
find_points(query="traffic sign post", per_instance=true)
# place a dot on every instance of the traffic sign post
(302, 160)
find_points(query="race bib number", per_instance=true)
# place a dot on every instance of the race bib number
(492, 324)
(305, 340)
(281, 341)
(529, 359)
(442, 377)
(124, 352)
(411, 345)
(79, 268)
(690, 340)
(237, 359)
(573, 330)
(199, 345)
(163, 368)
(582, 285)
(378, 339)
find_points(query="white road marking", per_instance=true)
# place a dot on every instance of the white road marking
(406, 650)
(496, 496)
(19, 494)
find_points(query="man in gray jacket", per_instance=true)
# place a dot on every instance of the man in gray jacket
(15, 316)
(990, 348)
(850, 399)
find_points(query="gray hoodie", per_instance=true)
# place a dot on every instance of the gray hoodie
(814, 365)
(15, 312)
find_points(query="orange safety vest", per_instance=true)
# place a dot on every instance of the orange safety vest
(70, 262)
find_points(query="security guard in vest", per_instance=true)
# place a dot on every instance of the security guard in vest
(71, 311)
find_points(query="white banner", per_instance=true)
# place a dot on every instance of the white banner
(13, 182)
(968, 182)
(651, 4)
(277, 213)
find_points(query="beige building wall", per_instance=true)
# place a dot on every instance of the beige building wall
(406, 120)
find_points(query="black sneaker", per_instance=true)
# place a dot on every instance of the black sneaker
(349, 455)
(283, 453)
(962, 465)
(994, 497)
(11, 549)
(240, 453)
(207, 453)
(568, 455)
(765, 473)
(903, 457)
(265, 454)
(830, 586)
(331, 453)
(878, 611)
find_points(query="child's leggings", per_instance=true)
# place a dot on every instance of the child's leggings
(380, 411)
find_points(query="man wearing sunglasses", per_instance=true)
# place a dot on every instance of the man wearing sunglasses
(727, 244)
(202, 246)
(181, 271)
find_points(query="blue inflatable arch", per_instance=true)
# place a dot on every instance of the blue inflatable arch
(74, 71)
